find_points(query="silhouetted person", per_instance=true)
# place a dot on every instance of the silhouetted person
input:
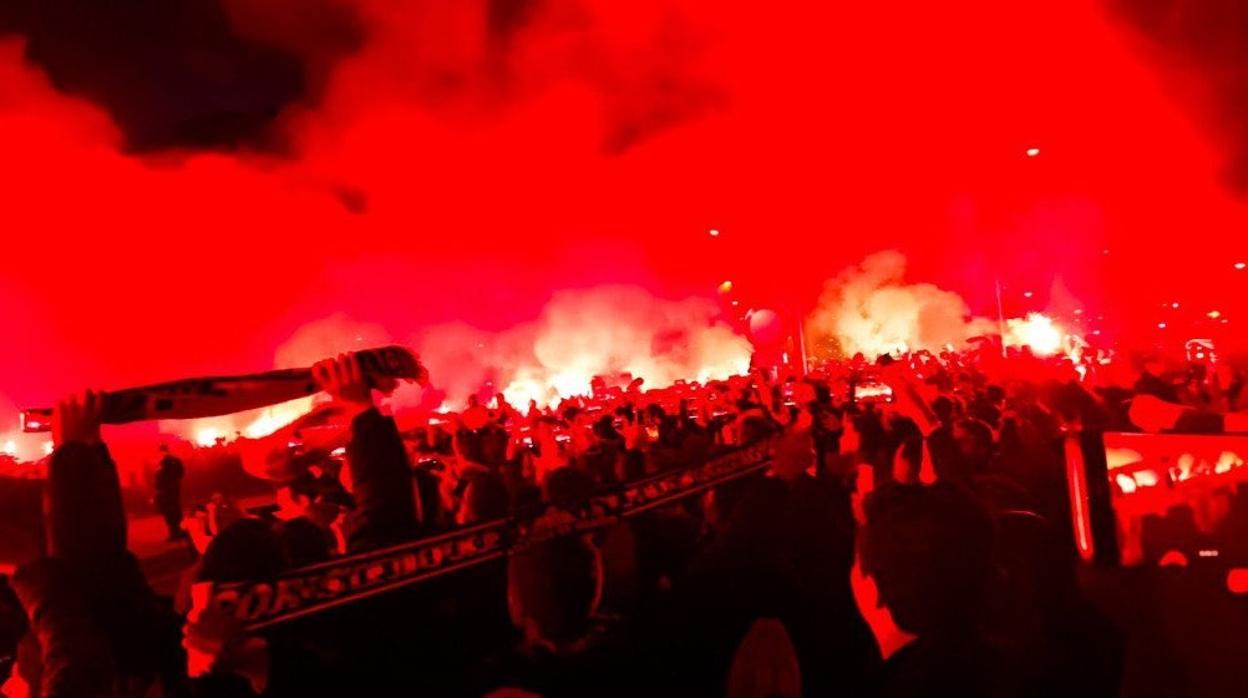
(930, 552)
(1153, 382)
(169, 492)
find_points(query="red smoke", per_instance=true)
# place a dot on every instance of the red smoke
(453, 171)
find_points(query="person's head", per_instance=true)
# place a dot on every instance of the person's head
(604, 429)
(823, 394)
(974, 440)
(304, 542)
(485, 499)
(794, 455)
(245, 550)
(944, 408)
(995, 395)
(626, 413)
(567, 488)
(553, 589)
(929, 550)
(908, 460)
(765, 664)
(655, 413)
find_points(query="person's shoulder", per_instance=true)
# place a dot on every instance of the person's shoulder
(951, 667)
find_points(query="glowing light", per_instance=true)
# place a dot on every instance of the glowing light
(251, 425)
(1237, 581)
(522, 391)
(1116, 458)
(1227, 462)
(274, 418)
(1036, 331)
(1146, 478)
(1080, 502)
(1125, 483)
(207, 436)
(1032, 152)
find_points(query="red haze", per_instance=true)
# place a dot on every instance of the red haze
(450, 173)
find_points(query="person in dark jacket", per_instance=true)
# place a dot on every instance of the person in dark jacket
(97, 628)
(930, 552)
(553, 591)
(377, 473)
(169, 492)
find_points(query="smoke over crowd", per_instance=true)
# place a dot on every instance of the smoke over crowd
(412, 164)
(870, 309)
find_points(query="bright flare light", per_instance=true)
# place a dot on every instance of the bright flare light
(1036, 331)
(250, 425)
(276, 417)
(207, 436)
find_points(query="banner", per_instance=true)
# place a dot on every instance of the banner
(194, 398)
(342, 581)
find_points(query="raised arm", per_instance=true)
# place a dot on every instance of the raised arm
(378, 472)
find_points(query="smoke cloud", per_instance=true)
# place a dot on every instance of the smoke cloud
(872, 310)
(431, 162)
(606, 331)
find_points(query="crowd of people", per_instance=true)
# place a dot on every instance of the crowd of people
(911, 537)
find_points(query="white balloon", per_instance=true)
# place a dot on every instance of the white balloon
(765, 326)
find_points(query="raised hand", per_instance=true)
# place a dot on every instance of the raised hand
(344, 380)
(77, 419)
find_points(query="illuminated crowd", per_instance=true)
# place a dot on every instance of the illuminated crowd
(869, 560)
